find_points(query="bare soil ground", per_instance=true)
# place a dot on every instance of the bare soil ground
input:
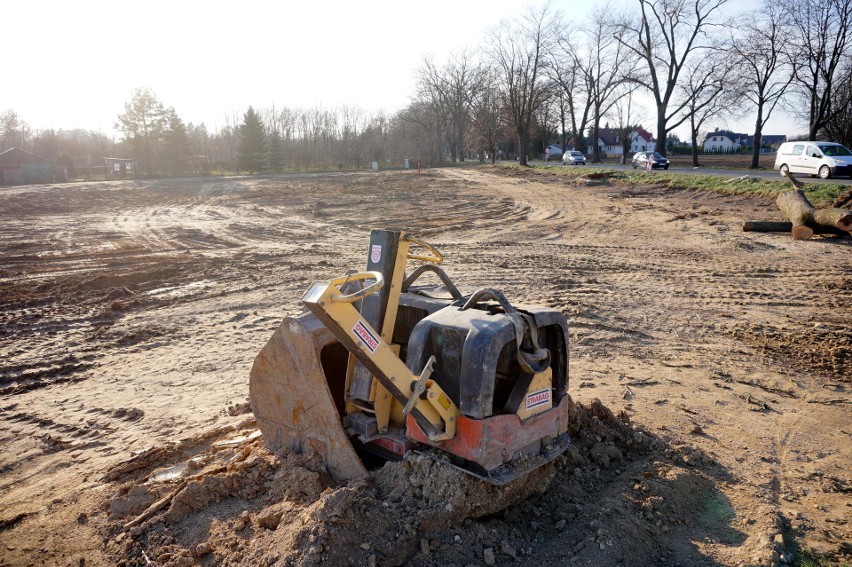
(710, 370)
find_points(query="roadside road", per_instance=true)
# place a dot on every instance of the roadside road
(762, 174)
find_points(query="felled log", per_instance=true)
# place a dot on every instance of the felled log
(806, 219)
(785, 226)
(767, 226)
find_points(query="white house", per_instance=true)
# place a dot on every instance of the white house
(726, 141)
(641, 141)
(610, 144)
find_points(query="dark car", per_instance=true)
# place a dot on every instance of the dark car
(658, 161)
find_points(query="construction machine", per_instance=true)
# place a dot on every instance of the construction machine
(381, 365)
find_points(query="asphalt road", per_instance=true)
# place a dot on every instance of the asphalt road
(766, 174)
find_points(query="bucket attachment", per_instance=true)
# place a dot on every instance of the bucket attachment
(290, 390)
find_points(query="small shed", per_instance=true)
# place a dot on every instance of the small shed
(119, 168)
(18, 167)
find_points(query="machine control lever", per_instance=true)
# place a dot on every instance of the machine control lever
(419, 386)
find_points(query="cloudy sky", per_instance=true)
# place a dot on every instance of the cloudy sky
(75, 64)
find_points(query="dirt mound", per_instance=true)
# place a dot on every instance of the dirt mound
(611, 498)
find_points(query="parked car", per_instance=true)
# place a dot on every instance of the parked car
(825, 159)
(658, 161)
(572, 157)
(553, 151)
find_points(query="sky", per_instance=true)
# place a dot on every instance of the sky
(75, 64)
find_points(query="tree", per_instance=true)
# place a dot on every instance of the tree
(433, 124)
(486, 120)
(606, 65)
(707, 94)
(251, 148)
(665, 35)
(175, 142)
(822, 40)
(838, 127)
(564, 71)
(627, 117)
(518, 55)
(14, 131)
(764, 70)
(450, 91)
(142, 122)
(275, 151)
(199, 147)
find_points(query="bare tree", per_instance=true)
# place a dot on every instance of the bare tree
(607, 63)
(838, 128)
(664, 36)
(14, 131)
(565, 73)
(708, 93)
(822, 41)
(486, 119)
(518, 51)
(433, 123)
(627, 116)
(450, 90)
(764, 70)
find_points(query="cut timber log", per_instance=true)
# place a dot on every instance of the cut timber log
(767, 226)
(785, 226)
(805, 219)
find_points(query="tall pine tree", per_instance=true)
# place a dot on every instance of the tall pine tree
(276, 151)
(175, 143)
(251, 151)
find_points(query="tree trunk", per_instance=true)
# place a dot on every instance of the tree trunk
(758, 137)
(523, 142)
(805, 218)
(596, 132)
(693, 130)
(661, 129)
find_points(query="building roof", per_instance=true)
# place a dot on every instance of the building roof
(17, 156)
(770, 139)
(747, 139)
(644, 134)
(608, 136)
(733, 136)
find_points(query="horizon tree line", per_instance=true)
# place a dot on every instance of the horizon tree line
(536, 79)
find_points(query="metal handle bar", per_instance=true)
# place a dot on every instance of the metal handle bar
(361, 293)
(436, 257)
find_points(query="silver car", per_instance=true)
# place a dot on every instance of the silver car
(658, 161)
(573, 158)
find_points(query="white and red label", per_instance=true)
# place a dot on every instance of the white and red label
(538, 398)
(369, 339)
(375, 253)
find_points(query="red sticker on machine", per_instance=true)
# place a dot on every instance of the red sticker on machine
(538, 398)
(376, 253)
(370, 341)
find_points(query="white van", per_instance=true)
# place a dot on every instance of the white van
(825, 159)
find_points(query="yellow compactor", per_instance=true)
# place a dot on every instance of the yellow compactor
(380, 365)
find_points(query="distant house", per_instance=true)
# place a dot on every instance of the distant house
(768, 141)
(120, 168)
(641, 140)
(609, 141)
(19, 167)
(727, 141)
